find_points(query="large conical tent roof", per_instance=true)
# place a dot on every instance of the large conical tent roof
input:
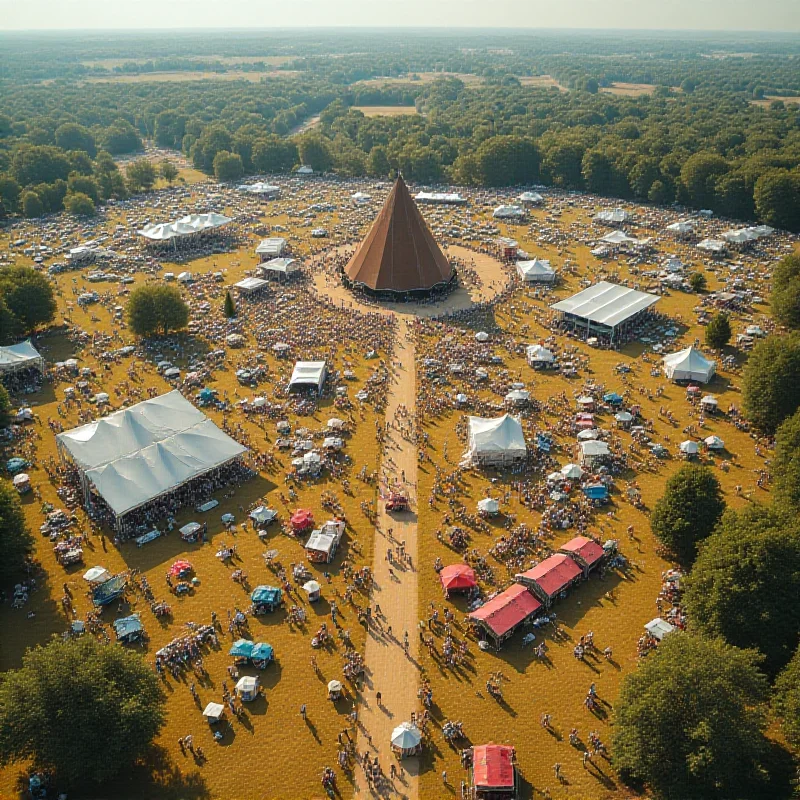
(399, 253)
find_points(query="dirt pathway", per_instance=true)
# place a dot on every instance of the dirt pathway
(389, 670)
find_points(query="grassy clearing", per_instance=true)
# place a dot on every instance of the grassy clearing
(386, 111)
(185, 77)
(629, 89)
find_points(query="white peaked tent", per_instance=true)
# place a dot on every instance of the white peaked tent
(360, 197)
(689, 365)
(536, 271)
(712, 246)
(309, 373)
(714, 443)
(406, 738)
(619, 237)
(496, 441)
(690, 448)
(536, 354)
(593, 451)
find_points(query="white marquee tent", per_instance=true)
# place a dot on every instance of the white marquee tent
(20, 356)
(443, 198)
(682, 228)
(249, 286)
(615, 217)
(689, 365)
(185, 226)
(531, 198)
(536, 271)
(536, 354)
(268, 191)
(147, 450)
(509, 212)
(271, 248)
(308, 373)
(280, 266)
(496, 441)
(715, 246)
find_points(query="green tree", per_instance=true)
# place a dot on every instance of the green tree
(787, 699)
(698, 282)
(786, 291)
(690, 722)
(10, 191)
(777, 199)
(786, 462)
(718, 331)
(121, 138)
(687, 512)
(79, 205)
(699, 174)
(315, 152)
(5, 407)
(31, 205)
(16, 540)
(9, 324)
(507, 160)
(168, 170)
(770, 381)
(84, 184)
(71, 136)
(141, 175)
(274, 154)
(230, 306)
(378, 162)
(227, 166)
(660, 193)
(66, 694)
(28, 295)
(745, 583)
(34, 164)
(156, 309)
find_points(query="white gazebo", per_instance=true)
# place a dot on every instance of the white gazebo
(689, 365)
(539, 356)
(406, 739)
(537, 270)
(488, 506)
(214, 712)
(496, 442)
(593, 452)
(281, 267)
(659, 628)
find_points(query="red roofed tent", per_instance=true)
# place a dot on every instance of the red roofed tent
(302, 519)
(503, 614)
(585, 551)
(548, 579)
(493, 772)
(457, 578)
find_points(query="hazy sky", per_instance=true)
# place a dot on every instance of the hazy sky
(749, 15)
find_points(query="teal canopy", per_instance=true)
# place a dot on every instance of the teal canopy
(241, 647)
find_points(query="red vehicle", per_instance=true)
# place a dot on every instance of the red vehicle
(396, 501)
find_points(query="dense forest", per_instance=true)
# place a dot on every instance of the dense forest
(701, 136)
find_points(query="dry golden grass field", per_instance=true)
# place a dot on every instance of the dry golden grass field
(111, 63)
(629, 89)
(271, 753)
(176, 76)
(386, 111)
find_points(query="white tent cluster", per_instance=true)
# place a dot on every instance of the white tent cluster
(509, 212)
(612, 217)
(689, 365)
(441, 198)
(267, 191)
(683, 227)
(537, 270)
(143, 452)
(185, 226)
(495, 441)
(747, 235)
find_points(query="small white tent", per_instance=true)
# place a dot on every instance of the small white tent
(659, 628)
(538, 355)
(496, 441)
(689, 365)
(536, 271)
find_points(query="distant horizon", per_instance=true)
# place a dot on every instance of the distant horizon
(697, 16)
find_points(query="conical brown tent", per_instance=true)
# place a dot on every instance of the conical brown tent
(399, 254)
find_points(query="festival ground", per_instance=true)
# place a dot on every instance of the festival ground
(271, 752)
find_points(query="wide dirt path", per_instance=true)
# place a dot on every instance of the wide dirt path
(388, 669)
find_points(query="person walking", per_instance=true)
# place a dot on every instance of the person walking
(303, 711)
(378, 698)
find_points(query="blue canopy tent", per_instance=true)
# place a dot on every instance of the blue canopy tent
(129, 628)
(206, 395)
(262, 654)
(265, 598)
(241, 648)
(612, 398)
(109, 591)
(596, 491)
(544, 442)
(16, 464)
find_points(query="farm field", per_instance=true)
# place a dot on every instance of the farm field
(386, 111)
